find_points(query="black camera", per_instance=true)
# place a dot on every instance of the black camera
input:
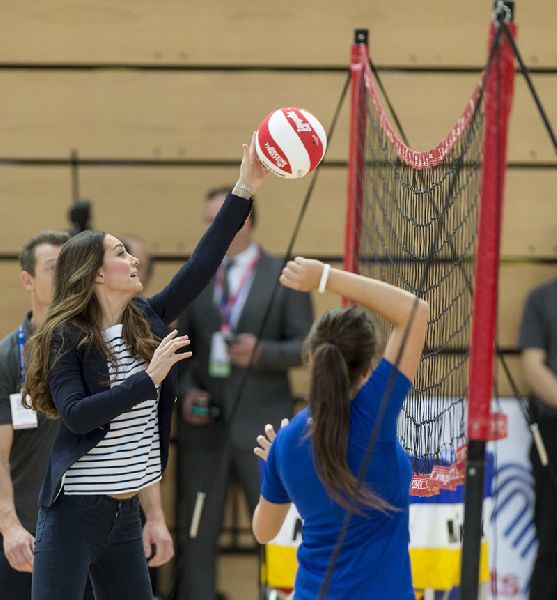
(203, 407)
(229, 338)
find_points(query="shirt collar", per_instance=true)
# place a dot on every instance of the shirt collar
(245, 257)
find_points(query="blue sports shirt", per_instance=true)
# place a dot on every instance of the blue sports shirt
(374, 562)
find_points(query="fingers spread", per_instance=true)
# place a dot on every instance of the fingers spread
(182, 356)
(180, 342)
(263, 442)
(261, 453)
(270, 432)
(170, 336)
(175, 344)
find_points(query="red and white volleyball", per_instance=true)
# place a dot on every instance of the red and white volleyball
(290, 142)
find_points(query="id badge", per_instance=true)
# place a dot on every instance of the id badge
(22, 418)
(219, 361)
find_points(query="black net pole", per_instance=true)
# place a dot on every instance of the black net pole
(473, 529)
(75, 176)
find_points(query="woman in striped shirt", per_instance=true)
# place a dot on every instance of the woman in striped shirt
(102, 363)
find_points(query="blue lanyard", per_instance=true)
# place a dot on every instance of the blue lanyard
(20, 345)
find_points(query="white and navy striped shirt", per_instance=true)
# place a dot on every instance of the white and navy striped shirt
(128, 458)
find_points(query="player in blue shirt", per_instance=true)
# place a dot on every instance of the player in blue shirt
(314, 459)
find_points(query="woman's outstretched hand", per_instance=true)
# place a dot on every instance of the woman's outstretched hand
(302, 274)
(165, 356)
(252, 172)
(266, 440)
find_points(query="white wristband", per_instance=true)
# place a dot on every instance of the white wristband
(324, 277)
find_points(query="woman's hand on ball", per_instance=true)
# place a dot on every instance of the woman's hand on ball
(252, 172)
(302, 274)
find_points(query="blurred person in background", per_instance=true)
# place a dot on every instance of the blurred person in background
(538, 344)
(25, 436)
(223, 324)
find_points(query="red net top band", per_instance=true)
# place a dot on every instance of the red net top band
(426, 159)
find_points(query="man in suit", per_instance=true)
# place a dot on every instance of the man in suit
(222, 324)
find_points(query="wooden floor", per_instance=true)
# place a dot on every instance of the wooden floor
(238, 576)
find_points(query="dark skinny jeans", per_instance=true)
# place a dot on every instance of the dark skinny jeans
(93, 534)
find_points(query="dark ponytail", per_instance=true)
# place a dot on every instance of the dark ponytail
(341, 346)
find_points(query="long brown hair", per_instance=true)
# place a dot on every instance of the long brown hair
(75, 302)
(341, 346)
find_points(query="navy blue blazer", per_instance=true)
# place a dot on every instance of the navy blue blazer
(78, 378)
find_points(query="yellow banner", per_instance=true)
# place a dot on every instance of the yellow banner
(439, 568)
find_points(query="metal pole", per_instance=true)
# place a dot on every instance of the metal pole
(498, 96)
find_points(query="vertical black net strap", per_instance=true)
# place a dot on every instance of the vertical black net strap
(418, 232)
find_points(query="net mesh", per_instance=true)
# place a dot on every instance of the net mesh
(417, 229)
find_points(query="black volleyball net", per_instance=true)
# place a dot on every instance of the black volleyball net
(413, 221)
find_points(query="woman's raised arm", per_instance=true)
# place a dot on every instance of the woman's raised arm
(406, 312)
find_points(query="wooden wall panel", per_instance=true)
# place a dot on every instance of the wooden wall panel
(504, 386)
(32, 199)
(529, 214)
(167, 208)
(428, 106)
(438, 32)
(121, 114)
(208, 115)
(163, 206)
(516, 281)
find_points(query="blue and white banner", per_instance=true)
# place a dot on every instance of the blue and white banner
(512, 532)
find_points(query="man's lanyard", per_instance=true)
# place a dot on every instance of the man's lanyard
(226, 308)
(20, 345)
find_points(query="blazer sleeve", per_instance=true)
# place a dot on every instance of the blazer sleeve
(297, 317)
(198, 271)
(82, 412)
